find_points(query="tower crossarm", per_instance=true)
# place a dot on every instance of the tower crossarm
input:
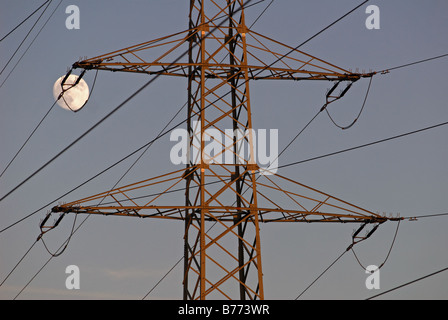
(300, 203)
(223, 214)
(267, 59)
(220, 184)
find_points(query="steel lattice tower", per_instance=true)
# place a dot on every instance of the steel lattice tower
(226, 194)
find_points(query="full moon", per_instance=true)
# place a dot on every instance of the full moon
(75, 97)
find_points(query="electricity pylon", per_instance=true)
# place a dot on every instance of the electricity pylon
(221, 203)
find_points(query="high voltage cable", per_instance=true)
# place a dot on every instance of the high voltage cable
(172, 119)
(239, 85)
(326, 155)
(21, 43)
(166, 274)
(315, 116)
(98, 123)
(33, 278)
(321, 31)
(147, 147)
(316, 158)
(328, 268)
(65, 243)
(346, 250)
(29, 46)
(413, 63)
(90, 179)
(113, 165)
(364, 145)
(112, 112)
(409, 64)
(427, 216)
(408, 283)
(29, 137)
(40, 122)
(38, 125)
(279, 167)
(148, 83)
(81, 137)
(388, 253)
(282, 166)
(359, 114)
(105, 170)
(332, 154)
(17, 264)
(23, 21)
(279, 59)
(261, 14)
(95, 77)
(156, 77)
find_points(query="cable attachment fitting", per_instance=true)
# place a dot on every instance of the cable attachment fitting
(329, 98)
(357, 239)
(63, 85)
(44, 228)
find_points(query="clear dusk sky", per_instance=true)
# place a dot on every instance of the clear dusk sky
(122, 258)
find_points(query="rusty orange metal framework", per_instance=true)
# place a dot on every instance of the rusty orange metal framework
(221, 204)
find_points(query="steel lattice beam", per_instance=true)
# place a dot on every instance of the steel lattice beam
(221, 204)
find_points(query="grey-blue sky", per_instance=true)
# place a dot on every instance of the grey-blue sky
(124, 258)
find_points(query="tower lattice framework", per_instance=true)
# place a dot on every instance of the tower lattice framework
(221, 194)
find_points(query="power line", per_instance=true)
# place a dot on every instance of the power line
(279, 167)
(149, 144)
(172, 119)
(294, 49)
(29, 137)
(107, 116)
(350, 247)
(290, 164)
(29, 46)
(38, 125)
(388, 254)
(150, 82)
(328, 268)
(359, 114)
(33, 278)
(162, 279)
(321, 31)
(363, 145)
(40, 122)
(166, 274)
(23, 21)
(21, 43)
(321, 157)
(413, 63)
(427, 216)
(178, 262)
(408, 283)
(261, 14)
(97, 175)
(17, 264)
(65, 244)
(279, 59)
(147, 147)
(60, 250)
